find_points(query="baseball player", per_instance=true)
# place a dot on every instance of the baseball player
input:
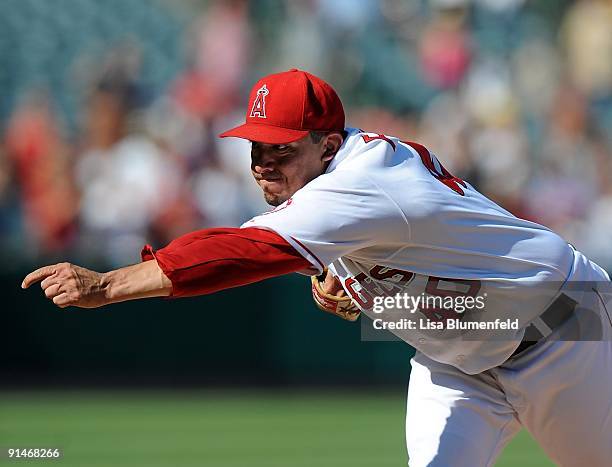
(372, 217)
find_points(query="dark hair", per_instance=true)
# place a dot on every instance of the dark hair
(317, 136)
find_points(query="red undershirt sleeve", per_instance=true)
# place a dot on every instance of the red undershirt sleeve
(210, 260)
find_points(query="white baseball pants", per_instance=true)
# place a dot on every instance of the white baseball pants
(560, 391)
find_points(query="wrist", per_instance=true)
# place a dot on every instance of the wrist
(108, 286)
(140, 280)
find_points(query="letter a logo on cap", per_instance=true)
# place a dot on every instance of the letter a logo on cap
(259, 106)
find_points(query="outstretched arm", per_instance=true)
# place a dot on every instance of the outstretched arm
(70, 285)
(195, 264)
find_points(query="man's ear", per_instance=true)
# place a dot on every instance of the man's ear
(332, 143)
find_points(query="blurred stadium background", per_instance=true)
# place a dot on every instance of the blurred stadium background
(109, 112)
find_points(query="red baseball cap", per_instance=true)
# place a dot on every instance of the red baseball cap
(284, 107)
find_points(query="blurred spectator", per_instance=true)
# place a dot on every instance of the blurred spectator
(587, 36)
(497, 141)
(563, 190)
(596, 235)
(124, 179)
(536, 85)
(42, 168)
(298, 46)
(445, 46)
(444, 125)
(220, 49)
(11, 231)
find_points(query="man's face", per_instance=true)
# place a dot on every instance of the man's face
(282, 169)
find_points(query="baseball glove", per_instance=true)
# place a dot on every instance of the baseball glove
(336, 304)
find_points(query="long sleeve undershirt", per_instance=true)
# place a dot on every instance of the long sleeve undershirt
(210, 260)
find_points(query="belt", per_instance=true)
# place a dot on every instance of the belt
(544, 325)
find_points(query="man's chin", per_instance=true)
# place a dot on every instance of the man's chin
(274, 200)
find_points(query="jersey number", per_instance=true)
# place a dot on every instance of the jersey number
(436, 287)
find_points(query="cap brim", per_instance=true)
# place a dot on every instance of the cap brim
(264, 133)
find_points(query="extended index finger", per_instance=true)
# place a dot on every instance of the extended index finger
(37, 275)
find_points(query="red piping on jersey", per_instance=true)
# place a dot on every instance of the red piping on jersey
(210, 260)
(309, 252)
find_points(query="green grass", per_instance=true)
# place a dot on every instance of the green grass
(221, 429)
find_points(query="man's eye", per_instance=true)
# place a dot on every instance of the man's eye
(281, 147)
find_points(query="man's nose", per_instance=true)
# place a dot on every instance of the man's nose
(262, 164)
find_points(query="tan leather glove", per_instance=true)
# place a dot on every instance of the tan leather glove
(329, 296)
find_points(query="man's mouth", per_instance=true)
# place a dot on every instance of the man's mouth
(267, 183)
(268, 180)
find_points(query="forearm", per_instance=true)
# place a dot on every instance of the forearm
(210, 260)
(141, 280)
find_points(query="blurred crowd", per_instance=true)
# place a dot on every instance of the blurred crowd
(110, 110)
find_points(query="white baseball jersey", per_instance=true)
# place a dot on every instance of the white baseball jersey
(387, 218)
